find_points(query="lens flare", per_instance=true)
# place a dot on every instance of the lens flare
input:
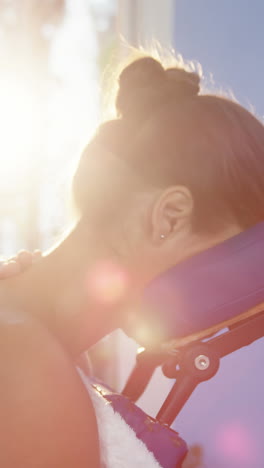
(236, 443)
(107, 283)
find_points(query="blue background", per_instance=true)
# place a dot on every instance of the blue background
(225, 415)
(227, 38)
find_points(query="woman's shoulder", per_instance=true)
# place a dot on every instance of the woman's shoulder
(43, 402)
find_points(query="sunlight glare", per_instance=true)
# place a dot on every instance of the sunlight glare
(17, 129)
(107, 283)
(46, 120)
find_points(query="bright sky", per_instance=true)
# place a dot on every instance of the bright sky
(54, 132)
(41, 140)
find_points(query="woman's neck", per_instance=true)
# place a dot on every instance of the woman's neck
(55, 290)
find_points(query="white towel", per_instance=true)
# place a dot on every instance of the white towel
(120, 448)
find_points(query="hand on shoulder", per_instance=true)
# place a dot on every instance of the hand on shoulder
(19, 263)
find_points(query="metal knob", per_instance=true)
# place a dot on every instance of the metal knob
(202, 362)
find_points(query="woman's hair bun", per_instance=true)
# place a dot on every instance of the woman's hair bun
(145, 85)
(188, 82)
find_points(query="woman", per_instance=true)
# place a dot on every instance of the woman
(174, 174)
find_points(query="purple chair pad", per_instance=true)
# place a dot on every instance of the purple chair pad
(209, 288)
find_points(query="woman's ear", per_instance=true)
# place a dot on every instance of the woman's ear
(171, 213)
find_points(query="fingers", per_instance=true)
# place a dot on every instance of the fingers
(8, 269)
(24, 259)
(18, 264)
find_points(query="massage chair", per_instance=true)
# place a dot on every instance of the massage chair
(200, 311)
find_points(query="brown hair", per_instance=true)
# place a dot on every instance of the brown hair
(171, 134)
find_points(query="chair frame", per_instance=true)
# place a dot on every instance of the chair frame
(193, 359)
